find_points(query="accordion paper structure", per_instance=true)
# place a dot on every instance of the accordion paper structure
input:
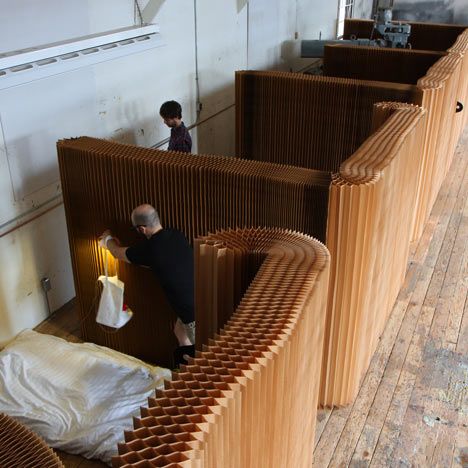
(355, 162)
(389, 146)
(102, 183)
(19, 446)
(257, 379)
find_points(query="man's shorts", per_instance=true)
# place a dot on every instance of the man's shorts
(189, 329)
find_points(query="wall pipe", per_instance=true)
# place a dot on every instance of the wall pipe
(11, 221)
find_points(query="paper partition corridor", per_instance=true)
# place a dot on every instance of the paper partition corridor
(103, 181)
(441, 77)
(249, 398)
(20, 447)
(263, 99)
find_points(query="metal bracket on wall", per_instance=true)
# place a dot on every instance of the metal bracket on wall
(22, 66)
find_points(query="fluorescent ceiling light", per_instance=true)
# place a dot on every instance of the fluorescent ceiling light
(22, 66)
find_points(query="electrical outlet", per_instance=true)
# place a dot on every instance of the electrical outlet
(45, 283)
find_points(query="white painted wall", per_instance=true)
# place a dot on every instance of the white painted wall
(221, 50)
(29, 23)
(436, 11)
(37, 249)
(460, 11)
(363, 9)
(275, 22)
(120, 100)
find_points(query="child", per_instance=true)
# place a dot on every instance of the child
(171, 113)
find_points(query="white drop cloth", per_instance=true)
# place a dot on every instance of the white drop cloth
(78, 397)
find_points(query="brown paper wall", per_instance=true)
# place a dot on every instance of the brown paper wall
(249, 398)
(424, 36)
(103, 181)
(378, 63)
(307, 121)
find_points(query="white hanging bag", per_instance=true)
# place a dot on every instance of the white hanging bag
(110, 311)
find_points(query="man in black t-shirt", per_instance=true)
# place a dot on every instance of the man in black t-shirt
(170, 257)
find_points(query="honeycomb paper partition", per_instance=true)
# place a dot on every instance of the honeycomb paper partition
(424, 36)
(265, 98)
(376, 63)
(103, 181)
(22, 448)
(307, 121)
(249, 397)
(370, 225)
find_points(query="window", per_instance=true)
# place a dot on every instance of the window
(345, 10)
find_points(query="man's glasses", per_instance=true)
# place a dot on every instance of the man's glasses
(138, 226)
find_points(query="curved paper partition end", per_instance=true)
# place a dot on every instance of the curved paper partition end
(370, 226)
(384, 110)
(249, 398)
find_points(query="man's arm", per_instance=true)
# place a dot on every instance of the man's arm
(113, 245)
(117, 250)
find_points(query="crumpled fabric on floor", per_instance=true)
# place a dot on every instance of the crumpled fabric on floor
(79, 397)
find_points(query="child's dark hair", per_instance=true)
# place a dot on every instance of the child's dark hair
(171, 110)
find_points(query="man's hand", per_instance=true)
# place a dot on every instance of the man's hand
(111, 243)
(104, 238)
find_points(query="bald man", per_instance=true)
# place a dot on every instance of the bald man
(170, 257)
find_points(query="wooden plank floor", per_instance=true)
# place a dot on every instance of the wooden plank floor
(412, 408)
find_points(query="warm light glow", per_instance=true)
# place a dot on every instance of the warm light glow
(112, 263)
